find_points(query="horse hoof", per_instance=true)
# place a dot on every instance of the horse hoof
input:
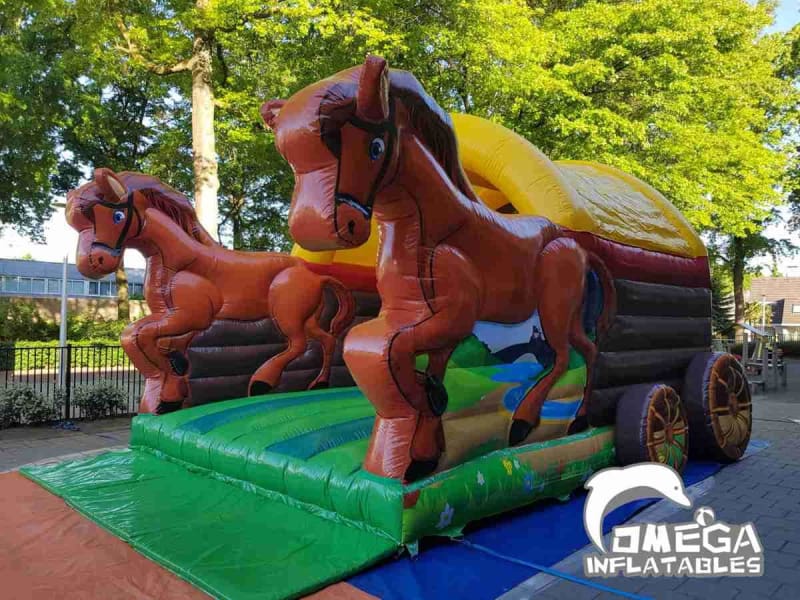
(259, 388)
(579, 424)
(518, 432)
(437, 395)
(420, 468)
(178, 362)
(164, 408)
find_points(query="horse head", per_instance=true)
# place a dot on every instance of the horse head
(107, 216)
(340, 137)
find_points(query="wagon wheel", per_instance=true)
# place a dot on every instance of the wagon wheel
(652, 426)
(719, 405)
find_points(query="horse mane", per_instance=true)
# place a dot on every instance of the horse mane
(169, 201)
(433, 125)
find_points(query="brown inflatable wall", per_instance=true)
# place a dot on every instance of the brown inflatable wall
(224, 357)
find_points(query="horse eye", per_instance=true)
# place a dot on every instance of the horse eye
(119, 216)
(376, 148)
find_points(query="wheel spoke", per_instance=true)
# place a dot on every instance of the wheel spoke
(678, 417)
(740, 383)
(665, 400)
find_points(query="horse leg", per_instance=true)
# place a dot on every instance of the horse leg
(408, 437)
(434, 375)
(193, 303)
(328, 344)
(561, 277)
(587, 348)
(143, 363)
(295, 295)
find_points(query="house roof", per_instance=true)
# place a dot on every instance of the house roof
(52, 270)
(773, 288)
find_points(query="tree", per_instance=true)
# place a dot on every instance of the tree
(32, 82)
(683, 93)
(188, 42)
(736, 253)
(721, 302)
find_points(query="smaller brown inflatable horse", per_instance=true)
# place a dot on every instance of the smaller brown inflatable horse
(192, 280)
(370, 142)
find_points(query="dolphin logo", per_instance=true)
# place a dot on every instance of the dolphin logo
(611, 488)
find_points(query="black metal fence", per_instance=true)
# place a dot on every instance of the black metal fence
(58, 372)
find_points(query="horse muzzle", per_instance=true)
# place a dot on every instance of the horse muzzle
(352, 220)
(99, 261)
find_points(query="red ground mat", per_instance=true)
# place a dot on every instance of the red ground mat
(48, 550)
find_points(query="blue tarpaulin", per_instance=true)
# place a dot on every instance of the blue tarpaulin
(544, 533)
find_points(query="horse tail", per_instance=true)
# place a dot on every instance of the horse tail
(609, 292)
(347, 306)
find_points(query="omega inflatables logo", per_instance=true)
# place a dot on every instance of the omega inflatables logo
(703, 547)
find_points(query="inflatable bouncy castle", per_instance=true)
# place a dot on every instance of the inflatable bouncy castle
(463, 328)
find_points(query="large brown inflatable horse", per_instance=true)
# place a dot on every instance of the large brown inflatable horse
(192, 280)
(369, 141)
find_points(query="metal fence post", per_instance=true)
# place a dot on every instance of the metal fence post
(68, 382)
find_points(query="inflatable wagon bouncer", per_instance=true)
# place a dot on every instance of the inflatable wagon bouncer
(511, 325)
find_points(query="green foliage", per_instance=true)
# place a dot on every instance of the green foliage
(21, 404)
(85, 328)
(721, 305)
(22, 323)
(790, 349)
(21, 320)
(88, 354)
(32, 81)
(100, 400)
(9, 407)
(689, 95)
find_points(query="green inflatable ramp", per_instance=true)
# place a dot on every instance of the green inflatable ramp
(265, 497)
(229, 542)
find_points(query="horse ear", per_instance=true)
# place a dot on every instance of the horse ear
(110, 185)
(372, 102)
(270, 111)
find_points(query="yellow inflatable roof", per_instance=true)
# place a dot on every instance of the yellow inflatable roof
(580, 195)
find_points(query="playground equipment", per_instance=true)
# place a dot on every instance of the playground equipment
(500, 358)
(765, 363)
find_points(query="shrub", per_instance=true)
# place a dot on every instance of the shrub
(95, 353)
(96, 401)
(20, 319)
(790, 348)
(39, 409)
(22, 404)
(84, 327)
(9, 406)
(6, 356)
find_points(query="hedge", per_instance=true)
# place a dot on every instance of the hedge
(28, 355)
(790, 348)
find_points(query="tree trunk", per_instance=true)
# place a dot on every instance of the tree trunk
(206, 182)
(236, 221)
(737, 259)
(123, 298)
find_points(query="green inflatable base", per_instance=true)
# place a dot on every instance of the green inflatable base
(265, 497)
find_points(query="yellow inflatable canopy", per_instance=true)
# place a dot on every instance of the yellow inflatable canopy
(580, 195)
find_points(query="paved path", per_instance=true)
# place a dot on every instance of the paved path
(763, 488)
(23, 445)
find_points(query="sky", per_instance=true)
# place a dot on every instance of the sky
(61, 239)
